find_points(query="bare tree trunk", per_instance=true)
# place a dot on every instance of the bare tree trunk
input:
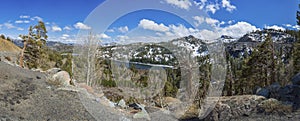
(88, 65)
(22, 54)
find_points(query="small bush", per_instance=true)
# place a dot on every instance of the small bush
(108, 83)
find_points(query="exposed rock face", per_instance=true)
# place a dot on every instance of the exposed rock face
(235, 106)
(24, 97)
(252, 107)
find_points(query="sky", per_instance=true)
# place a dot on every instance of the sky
(126, 21)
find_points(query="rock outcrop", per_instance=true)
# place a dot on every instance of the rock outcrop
(61, 78)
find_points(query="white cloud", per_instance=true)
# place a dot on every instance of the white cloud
(201, 4)
(275, 27)
(181, 30)
(212, 21)
(56, 28)
(288, 25)
(238, 29)
(296, 27)
(20, 29)
(212, 8)
(226, 4)
(36, 18)
(68, 28)
(222, 23)
(9, 26)
(292, 26)
(208, 34)
(65, 36)
(199, 20)
(80, 25)
(151, 25)
(230, 22)
(123, 29)
(21, 22)
(104, 36)
(122, 38)
(183, 4)
(110, 30)
(18, 21)
(24, 16)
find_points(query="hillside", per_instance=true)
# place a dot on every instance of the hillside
(9, 51)
(8, 46)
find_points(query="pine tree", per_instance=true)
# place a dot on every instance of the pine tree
(261, 65)
(296, 48)
(32, 50)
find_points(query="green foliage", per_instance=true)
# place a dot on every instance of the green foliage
(169, 89)
(108, 83)
(67, 66)
(2, 36)
(296, 56)
(38, 55)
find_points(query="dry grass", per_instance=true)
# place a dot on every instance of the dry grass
(8, 46)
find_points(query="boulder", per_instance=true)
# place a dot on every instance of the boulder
(272, 105)
(143, 114)
(122, 103)
(135, 106)
(53, 71)
(61, 78)
(263, 92)
(89, 89)
(296, 79)
(274, 90)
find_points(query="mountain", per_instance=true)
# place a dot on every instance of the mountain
(57, 46)
(159, 53)
(247, 43)
(259, 36)
(163, 53)
(227, 39)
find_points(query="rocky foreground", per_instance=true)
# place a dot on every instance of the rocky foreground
(36, 95)
(25, 95)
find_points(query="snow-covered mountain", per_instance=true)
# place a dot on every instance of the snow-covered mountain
(156, 53)
(227, 39)
(260, 36)
(166, 52)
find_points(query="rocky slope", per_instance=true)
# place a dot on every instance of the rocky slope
(25, 95)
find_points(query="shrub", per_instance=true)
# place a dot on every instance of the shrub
(108, 83)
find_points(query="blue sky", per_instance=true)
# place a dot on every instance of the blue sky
(159, 20)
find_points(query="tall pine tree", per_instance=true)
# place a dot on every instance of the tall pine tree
(296, 48)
